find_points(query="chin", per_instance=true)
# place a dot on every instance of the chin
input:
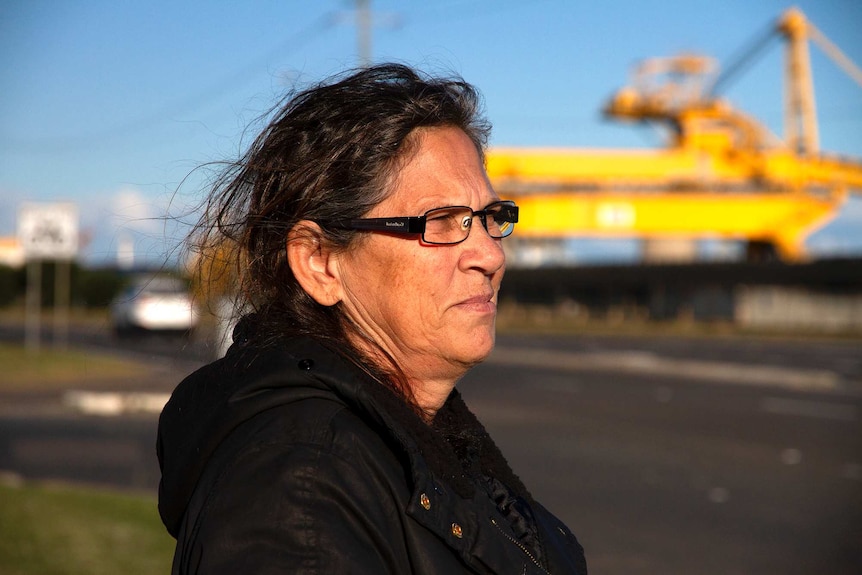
(479, 347)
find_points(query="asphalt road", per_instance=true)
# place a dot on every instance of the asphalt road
(666, 473)
(663, 455)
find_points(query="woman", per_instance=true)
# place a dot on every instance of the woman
(331, 438)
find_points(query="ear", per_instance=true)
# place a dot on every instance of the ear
(313, 262)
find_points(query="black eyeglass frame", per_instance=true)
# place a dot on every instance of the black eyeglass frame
(411, 225)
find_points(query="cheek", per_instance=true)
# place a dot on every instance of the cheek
(421, 283)
(440, 288)
(404, 284)
(393, 277)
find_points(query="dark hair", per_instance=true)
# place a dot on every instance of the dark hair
(330, 153)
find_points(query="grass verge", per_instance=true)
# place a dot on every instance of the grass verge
(49, 369)
(60, 530)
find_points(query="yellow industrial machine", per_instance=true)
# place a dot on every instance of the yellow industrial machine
(723, 174)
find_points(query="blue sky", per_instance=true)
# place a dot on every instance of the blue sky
(112, 104)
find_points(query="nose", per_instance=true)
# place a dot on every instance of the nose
(480, 250)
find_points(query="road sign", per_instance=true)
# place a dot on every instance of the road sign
(48, 230)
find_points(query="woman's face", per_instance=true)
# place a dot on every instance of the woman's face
(431, 307)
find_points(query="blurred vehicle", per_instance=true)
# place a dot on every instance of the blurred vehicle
(154, 304)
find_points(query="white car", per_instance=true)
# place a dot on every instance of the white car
(154, 304)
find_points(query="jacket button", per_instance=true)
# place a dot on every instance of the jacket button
(426, 503)
(457, 531)
(305, 364)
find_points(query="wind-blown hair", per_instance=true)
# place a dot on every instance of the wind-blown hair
(330, 153)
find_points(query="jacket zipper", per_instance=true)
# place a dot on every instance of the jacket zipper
(520, 546)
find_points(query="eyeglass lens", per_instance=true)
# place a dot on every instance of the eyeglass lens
(452, 225)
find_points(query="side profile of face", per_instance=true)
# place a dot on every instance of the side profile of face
(431, 307)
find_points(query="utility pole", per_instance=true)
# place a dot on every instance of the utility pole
(363, 31)
(365, 20)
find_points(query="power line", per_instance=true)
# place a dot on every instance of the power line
(170, 111)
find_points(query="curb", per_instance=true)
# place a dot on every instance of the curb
(112, 404)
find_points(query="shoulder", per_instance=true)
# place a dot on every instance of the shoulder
(322, 425)
(309, 478)
(300, 447)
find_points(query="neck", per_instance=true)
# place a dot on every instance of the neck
(424, 385)
(431, 395)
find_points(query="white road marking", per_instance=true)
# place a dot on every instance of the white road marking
(109, 403)
(650, 364)
(791, 456)
(719, 495)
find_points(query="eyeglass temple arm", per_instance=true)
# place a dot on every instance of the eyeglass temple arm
(410, 225)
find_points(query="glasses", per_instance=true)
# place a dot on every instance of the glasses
(443, 226)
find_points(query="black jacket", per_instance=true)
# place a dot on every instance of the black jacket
(292, 460)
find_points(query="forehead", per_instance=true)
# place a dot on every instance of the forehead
(443, 168)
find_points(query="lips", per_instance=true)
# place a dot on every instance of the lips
(485, 298)
(480, 303)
